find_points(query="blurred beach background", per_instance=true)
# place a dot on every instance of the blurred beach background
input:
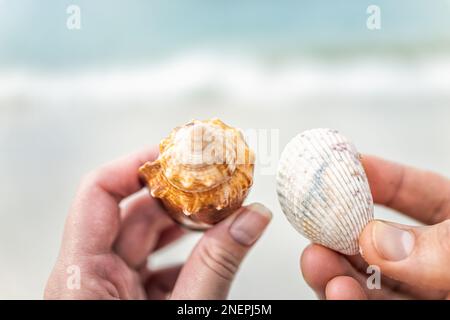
(71, 100)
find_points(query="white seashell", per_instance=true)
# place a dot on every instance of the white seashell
(323, 189)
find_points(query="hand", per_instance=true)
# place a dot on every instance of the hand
(110, 244)
(418, 258)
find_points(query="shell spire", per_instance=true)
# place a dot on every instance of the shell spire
(203, 173)
(323, 189)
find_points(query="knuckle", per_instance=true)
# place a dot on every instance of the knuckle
(88, 179)
(91, 179)
(219, 259)
(443, 235)
(120, 277)
(442, 210)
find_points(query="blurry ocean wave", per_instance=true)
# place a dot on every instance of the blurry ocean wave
(200, 76)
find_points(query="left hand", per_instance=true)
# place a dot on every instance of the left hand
(109, 244)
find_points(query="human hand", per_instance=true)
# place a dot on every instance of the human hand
(110, 243)
(418, 258)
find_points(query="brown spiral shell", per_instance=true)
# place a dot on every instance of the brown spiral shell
(203, 173)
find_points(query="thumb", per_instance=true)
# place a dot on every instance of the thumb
(419, 256)
(210, 269)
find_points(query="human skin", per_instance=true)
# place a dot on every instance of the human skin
(110, 241)
(414, 261)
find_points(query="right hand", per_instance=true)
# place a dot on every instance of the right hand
(414, 261)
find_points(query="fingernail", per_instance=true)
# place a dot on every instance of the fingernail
(391, 242)
(250, 224)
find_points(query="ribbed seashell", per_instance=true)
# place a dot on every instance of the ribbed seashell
(323, 189)
(203, 173)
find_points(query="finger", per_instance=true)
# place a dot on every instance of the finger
(404, 289)
(170, 235)
(419, 256)
(210, 269)
(321, 265)
(145, 224)
(93, 222)
(344, 288)
(161, 282)
(420, 194)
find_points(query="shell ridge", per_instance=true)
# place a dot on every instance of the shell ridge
(307, 205)
(318, 183)
(351, 172)
(341, 179)
(339, 223)
(356, 184)
(345, 176)
(304, 206)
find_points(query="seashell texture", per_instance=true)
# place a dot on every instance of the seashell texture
(203, 173)
(323, 189)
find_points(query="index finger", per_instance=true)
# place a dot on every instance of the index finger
(94, 219)
(421, 194)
